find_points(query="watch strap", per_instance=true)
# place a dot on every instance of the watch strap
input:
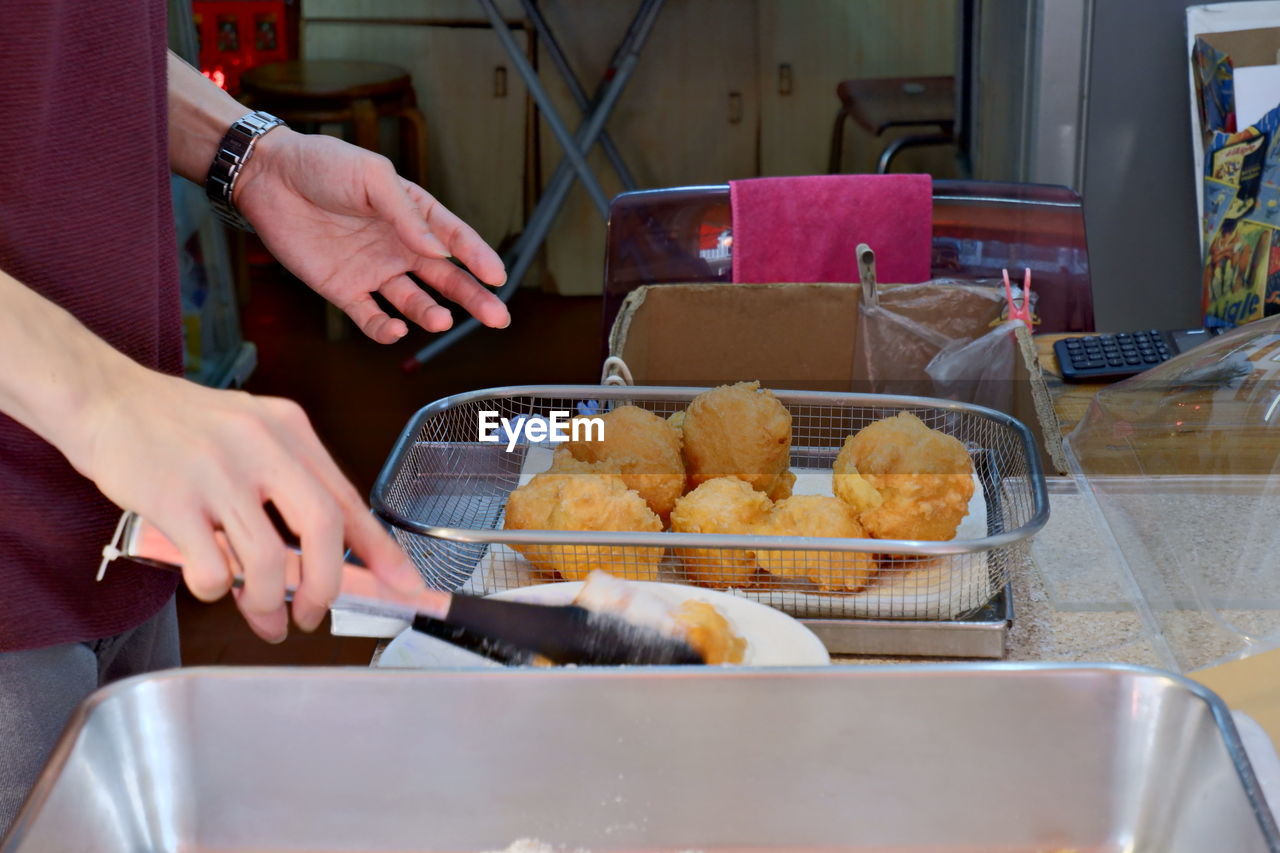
(233, 152)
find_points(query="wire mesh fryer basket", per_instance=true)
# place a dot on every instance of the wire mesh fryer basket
(444, 492)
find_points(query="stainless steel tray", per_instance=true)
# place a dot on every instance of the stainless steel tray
(997, 757)
(444, 493)
(980, 634)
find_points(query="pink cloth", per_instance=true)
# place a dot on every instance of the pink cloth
(807, 229)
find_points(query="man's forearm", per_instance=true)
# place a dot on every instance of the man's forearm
(53, 370)
(199, 115)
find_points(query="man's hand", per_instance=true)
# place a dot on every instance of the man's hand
(193, 461)
(339, 217)
(199, 464)
(343, 221)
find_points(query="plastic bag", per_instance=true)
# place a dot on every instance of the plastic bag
(978, 371)
(914, 340)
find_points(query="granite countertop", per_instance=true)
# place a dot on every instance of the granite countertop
(1074, 600)
(1041, 632)
(1073, 604)
(1057, 614)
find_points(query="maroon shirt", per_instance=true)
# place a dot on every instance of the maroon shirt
(85, 220)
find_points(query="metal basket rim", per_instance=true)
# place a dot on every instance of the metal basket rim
(406, 440)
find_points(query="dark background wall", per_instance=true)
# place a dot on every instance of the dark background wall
(1139, 185)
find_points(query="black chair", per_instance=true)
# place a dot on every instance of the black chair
(684, 234)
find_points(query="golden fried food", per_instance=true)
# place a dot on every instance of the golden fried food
(709, 632)
(739, 431)
(924, 479)
(646, 449)
(782, 485)
(576, 495)
(564, 462)
(850, 486)
(722, 505)
(822, 516)
(699, 623)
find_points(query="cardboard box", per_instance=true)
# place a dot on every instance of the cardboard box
(810, 337)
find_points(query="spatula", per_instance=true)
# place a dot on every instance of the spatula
(563, 634)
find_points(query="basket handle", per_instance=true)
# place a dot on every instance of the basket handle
(615, 372)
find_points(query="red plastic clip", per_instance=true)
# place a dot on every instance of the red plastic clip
(1014, 312)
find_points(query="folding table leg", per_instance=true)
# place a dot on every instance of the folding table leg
(548, 38)
(558, 128)
(521, 255)
(621, 67)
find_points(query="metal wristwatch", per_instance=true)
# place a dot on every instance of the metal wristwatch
(233, 152)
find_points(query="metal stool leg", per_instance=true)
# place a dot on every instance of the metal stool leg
(896, 146)
(837, 142)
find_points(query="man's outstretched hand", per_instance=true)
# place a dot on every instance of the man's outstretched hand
(341, 219)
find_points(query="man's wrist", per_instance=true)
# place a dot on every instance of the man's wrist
(199, 115)
(265, 154)
(73, 416)
(234, 153)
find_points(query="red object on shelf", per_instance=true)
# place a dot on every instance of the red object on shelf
(236, 35)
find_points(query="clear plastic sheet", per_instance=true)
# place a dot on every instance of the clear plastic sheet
(978, 371)
(1178, 469)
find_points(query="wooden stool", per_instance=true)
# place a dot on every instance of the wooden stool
(341, 92)
(320, 91)
(879, 104)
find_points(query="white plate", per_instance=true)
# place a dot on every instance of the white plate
(773, 638)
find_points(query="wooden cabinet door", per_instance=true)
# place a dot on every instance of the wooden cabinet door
(437, 12)
(475, 135)
(689, 115)
(825, 41)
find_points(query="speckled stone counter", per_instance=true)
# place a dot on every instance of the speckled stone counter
(1074, 602)
(1102, 627)
(1042, 633)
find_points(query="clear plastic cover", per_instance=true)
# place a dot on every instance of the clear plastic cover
(1179, 467)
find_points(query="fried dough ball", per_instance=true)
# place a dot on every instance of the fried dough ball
(564, 462)
(709, 632)
(850, 486)
(822, 516)
(781, 488)
(699, 623)
(739, 431)
(646, 449)
(924, 479)
(577, 495)
(722, 505)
